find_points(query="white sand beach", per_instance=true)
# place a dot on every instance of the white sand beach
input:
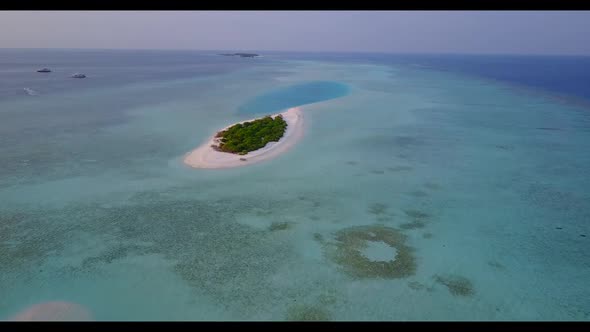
(206, 157)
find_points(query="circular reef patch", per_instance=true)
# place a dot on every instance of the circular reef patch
(349, 250)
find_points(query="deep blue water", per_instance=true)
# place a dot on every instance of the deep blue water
(560, 74)
(295, 95)
(564, 75)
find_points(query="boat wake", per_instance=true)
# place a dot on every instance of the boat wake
(31, 92)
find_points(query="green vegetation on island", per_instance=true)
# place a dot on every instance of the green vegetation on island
(249, 136)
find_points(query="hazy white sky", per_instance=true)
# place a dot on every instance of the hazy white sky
(537, 32)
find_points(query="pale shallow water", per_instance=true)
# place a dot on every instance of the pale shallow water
(487, 185)
(379, 251)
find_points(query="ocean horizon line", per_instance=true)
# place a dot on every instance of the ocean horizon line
(405, 53)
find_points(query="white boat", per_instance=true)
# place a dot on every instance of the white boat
(44, 70)
(78, 75)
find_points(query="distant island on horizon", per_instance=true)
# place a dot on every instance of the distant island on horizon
(243, 55)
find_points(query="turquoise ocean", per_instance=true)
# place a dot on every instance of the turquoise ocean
(425, 187)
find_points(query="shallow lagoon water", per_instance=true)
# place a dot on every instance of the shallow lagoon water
(485, 186)
(292, 96)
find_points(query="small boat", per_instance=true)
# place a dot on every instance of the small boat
(44, 70)
(77, 75)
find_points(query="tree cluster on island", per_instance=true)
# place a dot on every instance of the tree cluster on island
(249, 136)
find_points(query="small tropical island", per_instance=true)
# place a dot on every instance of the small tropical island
(249, 142)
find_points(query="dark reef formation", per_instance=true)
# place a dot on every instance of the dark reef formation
(457, 285)
(307, 313)
(418, 219)
(280, 226)
(347, 251)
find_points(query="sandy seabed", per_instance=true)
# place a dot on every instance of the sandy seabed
(207, 157)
